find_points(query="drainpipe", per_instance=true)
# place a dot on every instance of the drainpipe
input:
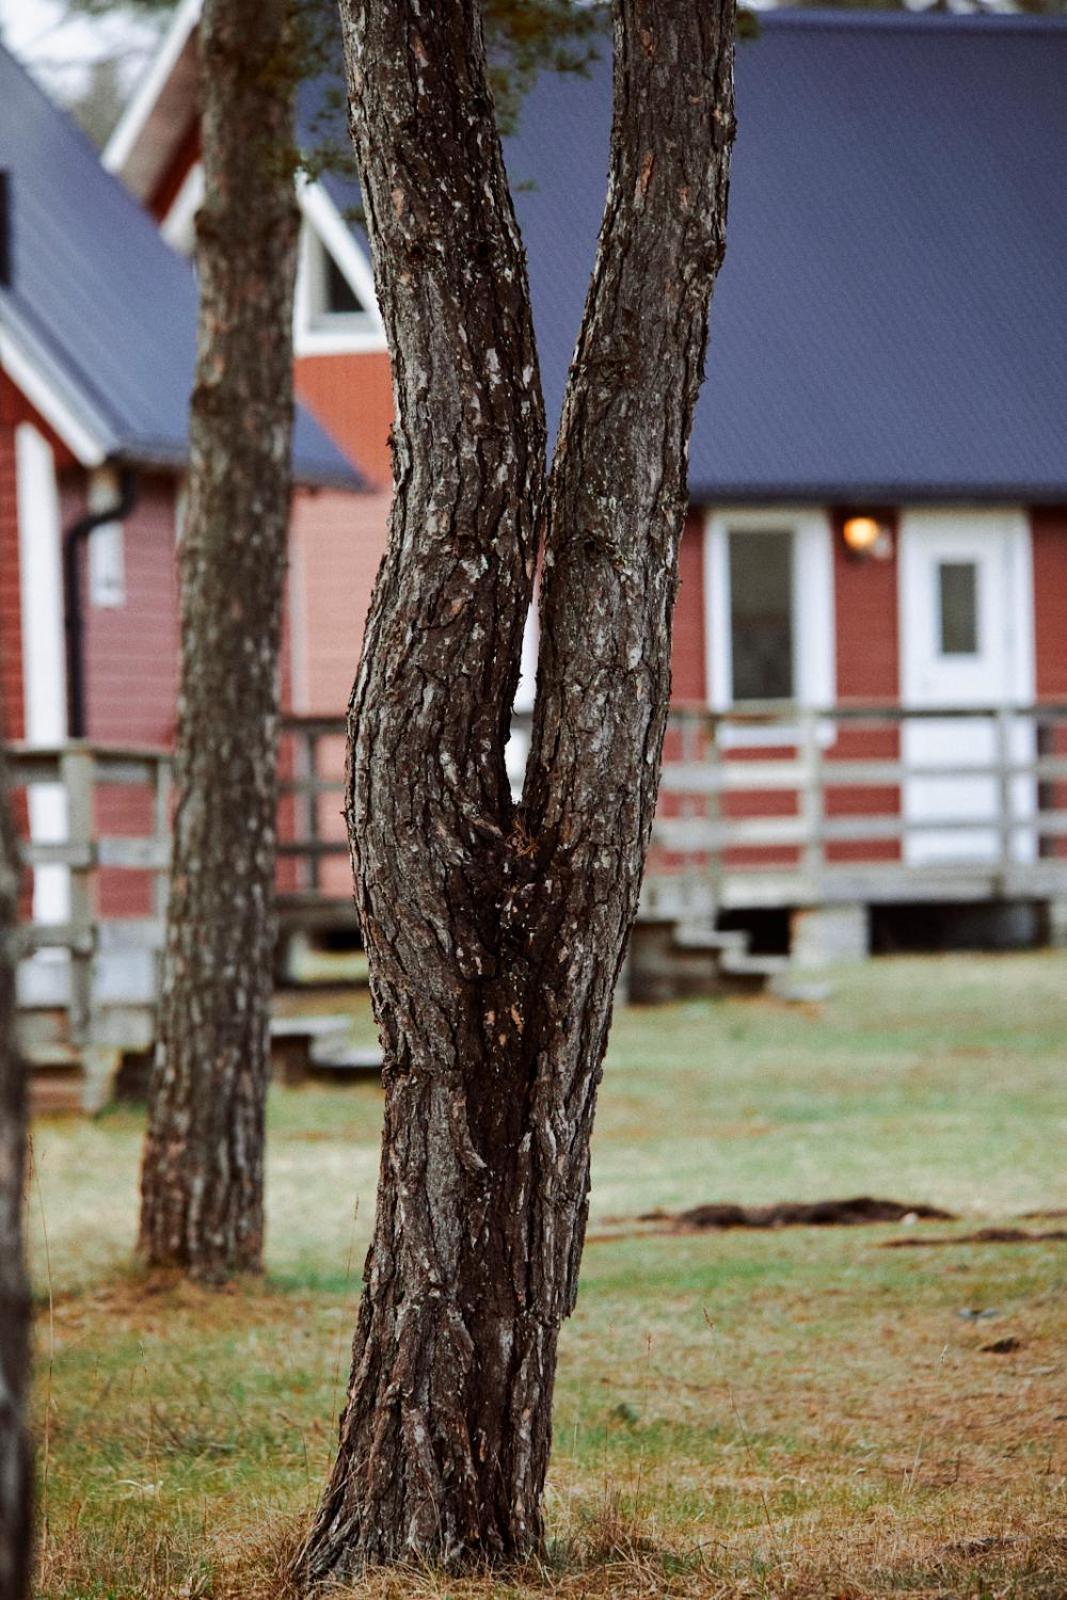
(74, 538)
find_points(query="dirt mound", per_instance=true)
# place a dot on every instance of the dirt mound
(795, 1214)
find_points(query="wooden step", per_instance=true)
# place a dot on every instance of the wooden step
(296, 1042)
(56, 1079)
(347, 1065)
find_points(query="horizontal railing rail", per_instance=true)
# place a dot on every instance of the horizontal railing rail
(764, 804)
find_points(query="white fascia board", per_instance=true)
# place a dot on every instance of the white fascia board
(814, 639)
(139, 109)
(42, 388)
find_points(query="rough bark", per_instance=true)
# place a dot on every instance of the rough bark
(495, 932)
(202, 1178)
(14, 1290)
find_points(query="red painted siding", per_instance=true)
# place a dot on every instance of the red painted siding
(868, 635)
(132, 649)
(1049, 530)
(1049, 525)
(868, 668)
(352, 396)
(186, 155)
(688, 678)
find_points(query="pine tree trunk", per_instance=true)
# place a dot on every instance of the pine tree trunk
(495, 933)
(202, 1179)
(14, 1291)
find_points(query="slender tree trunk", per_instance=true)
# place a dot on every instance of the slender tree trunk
(14, 1291)
(202, 1179)
(495, 933)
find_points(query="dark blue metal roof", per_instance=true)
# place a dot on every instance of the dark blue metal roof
(99, 303)
(891, 319)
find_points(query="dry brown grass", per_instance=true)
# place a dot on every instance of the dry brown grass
(797, 1415)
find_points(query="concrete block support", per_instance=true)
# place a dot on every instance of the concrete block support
(1056, 924)
(822, 936)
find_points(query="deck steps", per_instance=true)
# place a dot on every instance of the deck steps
(56, 1079)
(350, 1065)
(674, 959)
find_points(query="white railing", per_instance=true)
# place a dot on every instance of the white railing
(773, 806)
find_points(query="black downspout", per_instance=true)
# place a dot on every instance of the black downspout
(73, 539)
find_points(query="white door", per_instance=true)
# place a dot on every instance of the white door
(966, 622)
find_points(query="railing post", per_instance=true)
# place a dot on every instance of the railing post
(76, 769)
(161, 875)
(714, 812)
(813, 805)
(691, 806)
(310, 759)
(1004, 804)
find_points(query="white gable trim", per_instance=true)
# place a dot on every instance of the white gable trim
(134, 119)
(49, 401)
(350, 335)
(814, 654)
(179, 225)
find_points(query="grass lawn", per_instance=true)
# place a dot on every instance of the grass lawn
(799, 1413)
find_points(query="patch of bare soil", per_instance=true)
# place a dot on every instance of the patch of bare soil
(794, 1214)
(980, 1236)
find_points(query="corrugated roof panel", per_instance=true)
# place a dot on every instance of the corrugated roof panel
(99, 289)
(891, 319)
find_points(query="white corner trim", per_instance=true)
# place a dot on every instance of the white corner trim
(44, 674)
(814, 640)
(347, 335)
(46, 398)
(40, 587)
(132, 123)
(179, 225)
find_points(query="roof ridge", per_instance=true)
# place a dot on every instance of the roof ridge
(818, 18)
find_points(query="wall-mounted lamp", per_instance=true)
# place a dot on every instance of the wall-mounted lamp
(868, 539)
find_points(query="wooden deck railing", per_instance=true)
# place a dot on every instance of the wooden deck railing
(774, 806)
(860, 802)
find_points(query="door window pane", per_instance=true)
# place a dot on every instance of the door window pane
(958, 605)
(761, 615)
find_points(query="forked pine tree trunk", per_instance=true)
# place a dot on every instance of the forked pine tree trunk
(14, 1291)
(495, 932)
(202, 1177)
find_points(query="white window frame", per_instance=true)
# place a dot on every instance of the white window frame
(107, 545)
(316, 332)
(814, 640)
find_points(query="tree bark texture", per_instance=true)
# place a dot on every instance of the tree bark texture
(495, 931)
(202, 1177)
(14, 1290)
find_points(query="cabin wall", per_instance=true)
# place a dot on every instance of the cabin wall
(337, 544)
(867, 621)
(352, 397)
(131, 649)
(185, 157)
(338, 541)
(1049, 532)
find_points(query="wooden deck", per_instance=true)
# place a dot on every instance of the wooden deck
(775, 808)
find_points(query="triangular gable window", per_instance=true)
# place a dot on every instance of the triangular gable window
(339, 296)
(335, 311)
(330, 291)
